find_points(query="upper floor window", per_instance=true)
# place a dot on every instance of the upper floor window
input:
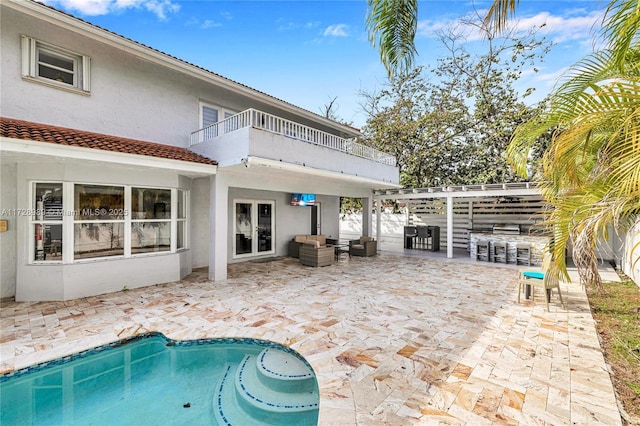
(51, 64)
(211, 114)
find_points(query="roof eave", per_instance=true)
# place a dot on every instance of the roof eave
(31, 147)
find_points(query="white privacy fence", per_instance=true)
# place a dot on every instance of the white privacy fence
(392, 229)
(631, 258)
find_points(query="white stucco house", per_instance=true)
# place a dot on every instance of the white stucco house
(122, 166)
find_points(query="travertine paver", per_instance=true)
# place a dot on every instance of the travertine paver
(393, 340)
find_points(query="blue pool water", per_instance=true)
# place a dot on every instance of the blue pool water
(151, 380)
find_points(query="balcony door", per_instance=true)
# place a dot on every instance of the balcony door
(253, 228)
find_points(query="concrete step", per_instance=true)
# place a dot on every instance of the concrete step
(284, 372)
(272, 388)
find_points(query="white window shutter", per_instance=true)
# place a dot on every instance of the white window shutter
(28, 56)
(86, 73)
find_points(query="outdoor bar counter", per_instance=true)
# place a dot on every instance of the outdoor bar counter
(537, 242)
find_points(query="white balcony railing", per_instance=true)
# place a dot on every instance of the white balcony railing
(271, 123)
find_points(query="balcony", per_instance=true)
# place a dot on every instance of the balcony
(259, 120)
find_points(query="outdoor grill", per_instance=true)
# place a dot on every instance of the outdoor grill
(509, 229)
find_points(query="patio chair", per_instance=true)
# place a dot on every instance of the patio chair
(530, 279)
(500, 252)
(423, 236)
(523, 254)
(410, 234)
(365, 246)
(482, 250)
(313, 254)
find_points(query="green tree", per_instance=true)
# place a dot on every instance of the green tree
(450, 125)
(591, 170)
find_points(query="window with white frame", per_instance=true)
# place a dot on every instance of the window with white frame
(150, 220)
(46, 221)
(107, 220)
(181, 220)
(211, 114)
(51, 64)
(98, 227)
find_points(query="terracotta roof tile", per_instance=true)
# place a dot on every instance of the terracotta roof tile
(19, 129)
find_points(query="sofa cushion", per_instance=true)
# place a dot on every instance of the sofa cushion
(320, 238)
(300, 238)
(357, 246)
(533, 274)
(365, 239)
(313, 243)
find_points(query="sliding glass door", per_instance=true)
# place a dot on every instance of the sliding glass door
(254, 228)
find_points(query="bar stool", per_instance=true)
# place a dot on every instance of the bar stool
(499, 251)
(482, 249)
(523, 254)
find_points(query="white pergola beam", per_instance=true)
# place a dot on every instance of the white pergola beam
(518, 189)
(450, 227)
(458, 194)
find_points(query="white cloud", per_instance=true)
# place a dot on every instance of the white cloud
(562, 28)
(287, 26)
(160, 8)
(431, 29)
(85, 7)
(204, 24)
(209, 23)
(290, 25)
(551, 77)
(337, 30)
(578, 25)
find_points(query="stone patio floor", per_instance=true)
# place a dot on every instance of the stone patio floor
(394, 340)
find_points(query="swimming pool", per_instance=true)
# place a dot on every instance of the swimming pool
(151, 380)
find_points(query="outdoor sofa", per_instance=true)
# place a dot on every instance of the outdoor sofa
(298, 240)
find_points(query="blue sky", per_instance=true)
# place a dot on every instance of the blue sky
(308, 52)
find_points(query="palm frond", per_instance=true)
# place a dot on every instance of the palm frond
(621, 29)
(392, 25)
(498, 14)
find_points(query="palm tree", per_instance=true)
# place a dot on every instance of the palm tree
(499, 12)
(591, 172)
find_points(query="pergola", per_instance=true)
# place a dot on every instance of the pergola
(450, 194)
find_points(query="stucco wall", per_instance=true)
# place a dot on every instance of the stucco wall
(289, 220)
(8, 174)
(129, 96)
(200, 229)
(611, 248)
